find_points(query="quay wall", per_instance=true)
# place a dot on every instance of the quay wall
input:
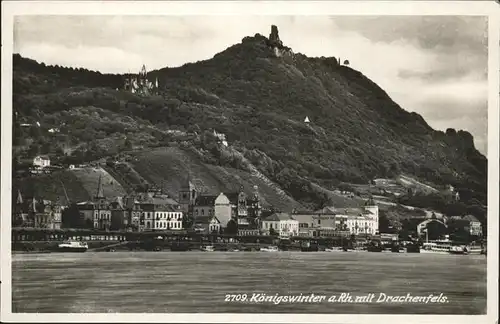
(47, 239)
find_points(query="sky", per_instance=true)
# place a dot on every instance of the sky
(433, 65)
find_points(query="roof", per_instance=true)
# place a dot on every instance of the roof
(427, 221)
(326, 210)
(470, 218)
(205, 219)
(44, 157)
(85, 203)
(304, 218)
(157, 200)
(233, 197)
(117, 203)
(278, 217)
(206, 200)
(350, 211)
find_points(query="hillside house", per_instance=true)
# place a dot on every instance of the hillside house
(221, 138)
(41, 161)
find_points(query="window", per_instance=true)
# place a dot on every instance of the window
(319, 221)
(203, 212)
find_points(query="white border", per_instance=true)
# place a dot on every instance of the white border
(483, 8)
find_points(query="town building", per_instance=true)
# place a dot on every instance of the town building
(187, 197)
(466, 223)
(282, 224)
(208, 224)
(223, 209)
(20, 214)
(160, 212)
(331, 221)
(38, 213)
(475, 226)
(41, 161)
(245, 209)
(204, 206)
(433, 229)
(86, 211)
(119, 219)
(102, 208)
(132, 212)
(318, 223)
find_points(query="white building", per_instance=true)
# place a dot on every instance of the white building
(282, 223)
(223, 210)
(363, 220)
(168, 218)
(41, 161)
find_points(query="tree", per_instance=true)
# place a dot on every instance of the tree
(232, 227)
(272, 232)
(72, 218)
(187, 222)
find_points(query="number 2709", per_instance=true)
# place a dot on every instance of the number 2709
(236, 297)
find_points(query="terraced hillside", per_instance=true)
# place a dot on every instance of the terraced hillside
(80, 185)
(169, 168)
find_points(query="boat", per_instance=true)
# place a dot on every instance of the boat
(208, 248)
(309, 247)
(439, 246)
(270, 249)
(459, 249)
(333, 249)
(374, 246)
(73, 246)
(412, 247)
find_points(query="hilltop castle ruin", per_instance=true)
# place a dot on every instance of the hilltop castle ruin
(140, 84)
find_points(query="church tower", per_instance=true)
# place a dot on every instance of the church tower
(187, 195)
(99, 197)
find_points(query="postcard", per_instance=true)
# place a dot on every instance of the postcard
(250, 161)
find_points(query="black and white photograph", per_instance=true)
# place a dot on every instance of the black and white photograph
(261, 160)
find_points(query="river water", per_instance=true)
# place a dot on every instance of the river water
(189, 282)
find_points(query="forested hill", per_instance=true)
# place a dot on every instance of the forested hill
(258, 93)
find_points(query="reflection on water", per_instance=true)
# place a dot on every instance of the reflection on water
(169, 282)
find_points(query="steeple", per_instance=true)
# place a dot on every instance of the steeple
(100, 191)
(143, 71)
(19, 200)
